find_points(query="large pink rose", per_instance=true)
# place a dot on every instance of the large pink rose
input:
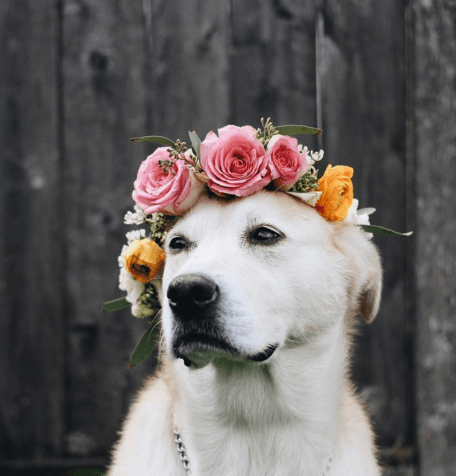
(170, 192)
(235, 161)
(286, 163)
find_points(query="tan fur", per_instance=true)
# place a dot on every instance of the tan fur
(286, 415)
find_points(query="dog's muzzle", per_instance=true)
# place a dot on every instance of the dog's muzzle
(192, 296)
(194, 300)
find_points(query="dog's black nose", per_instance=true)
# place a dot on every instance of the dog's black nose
(191, 294)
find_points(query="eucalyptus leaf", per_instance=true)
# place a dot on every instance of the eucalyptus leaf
(115, 305)
(383, 231)
(292, 130)
(196, 142)
(157, 139)
(145, 346)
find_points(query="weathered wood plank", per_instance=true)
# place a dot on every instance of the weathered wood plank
(273, 63)
(362, 78)
(434, 79)
(105, 79)
(31, 323)
(189, 54)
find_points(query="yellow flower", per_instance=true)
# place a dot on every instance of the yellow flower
(337, 192)
(144, 259)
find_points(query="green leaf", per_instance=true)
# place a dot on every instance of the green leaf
(115, 305)
(145, 346)
(196, 142)
(383, 231)
(87, 472)
(292, 130)
(157, 139)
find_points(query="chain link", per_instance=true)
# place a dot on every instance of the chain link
(181, 449)
(328, 466)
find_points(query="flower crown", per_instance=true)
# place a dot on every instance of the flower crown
(235, 161)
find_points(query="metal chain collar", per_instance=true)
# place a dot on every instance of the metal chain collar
(181, 449)
(185, 461)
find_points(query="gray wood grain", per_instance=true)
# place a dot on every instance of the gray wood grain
(69, 104)
(105, 101)
(363, 111)
(32, 270)
(434, 40)
(272, 63)
(189, 66)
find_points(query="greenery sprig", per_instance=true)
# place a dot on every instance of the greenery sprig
(268, 131)
(307, 183)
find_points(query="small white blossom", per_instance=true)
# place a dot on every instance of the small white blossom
(307, 154)
(135, 235)
(317, 156)
(133, 288)
(135, 218)
(363, 215)
(121, 259)
(127, 283)
(312, 156)
(359, 217)
(140, 310)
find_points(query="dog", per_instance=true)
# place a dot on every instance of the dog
(260, 299)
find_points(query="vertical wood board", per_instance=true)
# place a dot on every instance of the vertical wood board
(31, 302)
(105, 84)
(272, 65)
(188, 54)
(435, 145)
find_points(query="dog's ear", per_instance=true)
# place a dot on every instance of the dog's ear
(364, 268)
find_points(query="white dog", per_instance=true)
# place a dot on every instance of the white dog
(260, 296)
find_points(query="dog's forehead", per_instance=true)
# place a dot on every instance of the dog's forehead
(274, 208)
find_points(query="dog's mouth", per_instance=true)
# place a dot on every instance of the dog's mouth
(198, 350)
(194, 342)
(263, 356)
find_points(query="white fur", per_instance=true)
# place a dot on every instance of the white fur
(284, 416)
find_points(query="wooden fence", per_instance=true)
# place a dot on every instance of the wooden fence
(78, 78)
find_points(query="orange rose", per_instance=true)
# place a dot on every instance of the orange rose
(144, 259)
(337, 192)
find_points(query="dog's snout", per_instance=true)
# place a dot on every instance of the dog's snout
(191, 293)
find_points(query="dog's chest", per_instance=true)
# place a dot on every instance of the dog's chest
(258, 453)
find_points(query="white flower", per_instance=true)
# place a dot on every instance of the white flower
(317, 156)
(133, 287)
(140, 310)
(363, 215)
(121, 259)
(136, 218)
(135, 235)
(359, 217)
(127, 283)
(311, 156)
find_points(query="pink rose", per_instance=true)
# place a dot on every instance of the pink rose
(286, 163)
(170, 192)
(235, 162)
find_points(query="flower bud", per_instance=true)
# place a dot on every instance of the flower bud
(337, 192)
(144, 259)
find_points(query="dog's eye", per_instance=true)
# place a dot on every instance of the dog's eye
(264, 236)
(178, 243)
